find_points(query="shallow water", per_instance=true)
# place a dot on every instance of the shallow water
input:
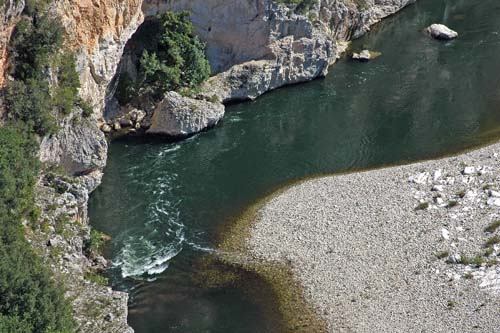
(164, 203)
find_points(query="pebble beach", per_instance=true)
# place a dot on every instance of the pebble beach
(412, 248)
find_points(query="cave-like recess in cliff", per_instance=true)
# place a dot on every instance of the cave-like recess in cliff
(421, 99)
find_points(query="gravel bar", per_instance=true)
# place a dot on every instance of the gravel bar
(400, 249)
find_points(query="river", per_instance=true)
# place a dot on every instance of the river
(165, 203)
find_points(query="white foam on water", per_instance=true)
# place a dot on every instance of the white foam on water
(134, 259)
(169, 150)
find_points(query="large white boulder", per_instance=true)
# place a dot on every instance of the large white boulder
(177, 115)
(440, 31)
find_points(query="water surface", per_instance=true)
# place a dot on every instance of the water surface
(164, 203)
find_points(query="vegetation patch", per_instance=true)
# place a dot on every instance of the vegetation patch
(492, 227)
(94, 244)
(442, 254)
(43, 87)
(492, 241)
(97, 278)
(30, 301)
(422, 206)
(46, 83)
(171, 58)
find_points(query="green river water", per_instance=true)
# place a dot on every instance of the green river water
(165, 203)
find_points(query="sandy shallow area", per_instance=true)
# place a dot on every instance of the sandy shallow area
(401, 249)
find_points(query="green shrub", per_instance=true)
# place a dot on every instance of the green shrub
(66, 91)
(94, 244)
(31, 102)
(97, 278)
(172, 59)
(34, 54)
(126, 89)
(87, 109)
(29, 299)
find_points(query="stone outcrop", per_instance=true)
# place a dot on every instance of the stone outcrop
(79, 148)
(78, 153)
(60, 238)
(179, 116)
(300, 46)
(259, 45)
(440, 31)
(98, 31)
(9, 15)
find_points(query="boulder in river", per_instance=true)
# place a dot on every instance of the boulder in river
(179, 116)
(440, 31)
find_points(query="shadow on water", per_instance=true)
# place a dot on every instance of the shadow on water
(165, 203)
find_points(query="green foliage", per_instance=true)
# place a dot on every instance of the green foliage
(87, 109)
(172, 59)
(33, 44)
(18, 169)
(34, 54)
(30, 102)
(29, 299)
(97, 278)
(94, 244)
(66, 92)
(493, 226)
(300, 6)
(492, 241)
(442, 254)
(126, 89)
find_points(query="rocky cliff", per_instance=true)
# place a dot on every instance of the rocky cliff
(10, 11)
(259, 45)
(253, 46)
(98, 31)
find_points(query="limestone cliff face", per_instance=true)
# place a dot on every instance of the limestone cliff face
(253, 45)
(299, 47)
(9, 14)
(98, 31)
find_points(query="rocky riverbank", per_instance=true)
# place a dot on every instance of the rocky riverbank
(287, 46)
(408, 248)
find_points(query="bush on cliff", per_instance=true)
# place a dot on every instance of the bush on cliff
(29, 299)
(173, 58)
(36, 61)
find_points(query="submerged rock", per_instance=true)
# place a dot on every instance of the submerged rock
(440, 31)
(177, 116)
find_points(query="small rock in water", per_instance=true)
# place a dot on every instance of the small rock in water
(440, 31)
(365, 55)
(469, 171)
(106, 128)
